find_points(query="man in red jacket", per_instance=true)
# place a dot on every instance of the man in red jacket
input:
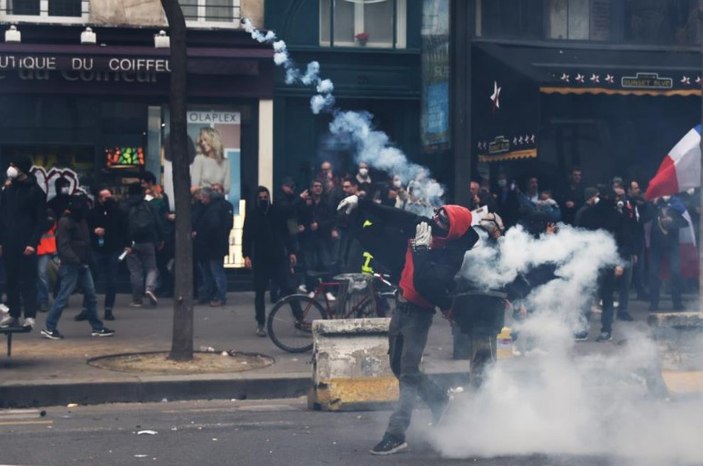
(433, 255)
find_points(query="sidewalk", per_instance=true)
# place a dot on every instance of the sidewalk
(45, 372)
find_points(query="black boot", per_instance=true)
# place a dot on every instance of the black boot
(83, 315)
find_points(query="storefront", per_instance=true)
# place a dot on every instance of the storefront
(102, 112)
(612, 111)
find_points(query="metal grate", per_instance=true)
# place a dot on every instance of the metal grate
(216, 11)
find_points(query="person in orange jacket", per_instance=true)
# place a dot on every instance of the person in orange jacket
(45, 252)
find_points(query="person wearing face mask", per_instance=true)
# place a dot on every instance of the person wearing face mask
(269, 250)
(59, 203)
(211, 228)
(73, 241)
(363, 179)
(426, 254)
(22, 223)
(108, 235)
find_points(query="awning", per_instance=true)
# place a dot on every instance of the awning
(604, 69)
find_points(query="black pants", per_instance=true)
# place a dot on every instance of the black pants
(606, 288)
(22, 275)
(407, 337)
(264, 272)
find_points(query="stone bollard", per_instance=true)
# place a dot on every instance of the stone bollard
(679, 337)
(350, 365)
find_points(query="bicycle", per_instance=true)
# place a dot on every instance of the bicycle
(289, 323)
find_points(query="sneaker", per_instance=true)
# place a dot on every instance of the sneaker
(581, 336)
(136, 303)
(9, 321)
(83, 315)
(152, 297)
(4, 309)
(51, 334)
(109, 315)
(625, 316)
(330, 296)
(103, 332)
(302, 289)
(29, 322)
(604, 336)
(260, 332)
(388, 445)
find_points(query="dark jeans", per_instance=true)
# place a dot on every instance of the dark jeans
(606, 288)
(656, 255)
(623, 286)
(317, 256)
(213, 282)
(107, 265)
(72, 275)
(22, 276)
(407, 337)
(264, 272)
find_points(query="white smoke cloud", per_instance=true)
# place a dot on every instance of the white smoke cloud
(352, 130)
(560, 399)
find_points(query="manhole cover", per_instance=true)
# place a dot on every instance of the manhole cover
(158, 362)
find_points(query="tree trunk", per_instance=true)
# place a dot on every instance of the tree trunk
(182, 339)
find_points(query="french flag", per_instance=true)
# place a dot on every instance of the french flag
(680, 170)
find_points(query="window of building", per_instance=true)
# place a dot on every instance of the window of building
(218, 13)
(45, 10)
(513, 19)
(580, 19)
(363, 23)
(662, 22)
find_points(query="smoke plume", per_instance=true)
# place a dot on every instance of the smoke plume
(352, 131)
(558, 399)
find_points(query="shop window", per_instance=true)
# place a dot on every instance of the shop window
(211, 12)
(512, 19)
(580, 19)
(363, 23)
(45, 10)
(662, 22)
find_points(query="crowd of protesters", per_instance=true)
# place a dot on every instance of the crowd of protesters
(53, 247)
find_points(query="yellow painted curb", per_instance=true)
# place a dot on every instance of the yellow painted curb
(347, 392)
(683, 382)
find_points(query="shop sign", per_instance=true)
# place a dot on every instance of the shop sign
(646, 81)
(499, 145)
(83, 63)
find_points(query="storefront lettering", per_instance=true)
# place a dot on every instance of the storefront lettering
(90, 76)
(139, 64)
(646, 81)
(83, 63)
(223, 118)
(30, 62)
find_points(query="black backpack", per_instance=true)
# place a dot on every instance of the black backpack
(141, 221)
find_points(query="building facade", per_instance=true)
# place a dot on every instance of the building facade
(84, 88)
(540, 86)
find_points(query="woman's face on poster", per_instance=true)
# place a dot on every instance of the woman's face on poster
(205, 144)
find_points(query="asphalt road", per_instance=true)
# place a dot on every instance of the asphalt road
(267, 432)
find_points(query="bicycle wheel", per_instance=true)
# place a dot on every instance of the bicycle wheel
(290, 322)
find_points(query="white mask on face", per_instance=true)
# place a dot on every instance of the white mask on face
(12, 172)
(363, 171)
(397, 183)
(65, 190)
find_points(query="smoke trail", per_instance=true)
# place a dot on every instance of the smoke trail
(554, 400)
(352, 131)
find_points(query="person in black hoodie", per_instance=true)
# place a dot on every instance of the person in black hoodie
(211, 227)
(145, 236)
(73, 244)
(108, 235)
(427, 266)
(268, 249)
(601, 213)
(23, 220)
(59, 203)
